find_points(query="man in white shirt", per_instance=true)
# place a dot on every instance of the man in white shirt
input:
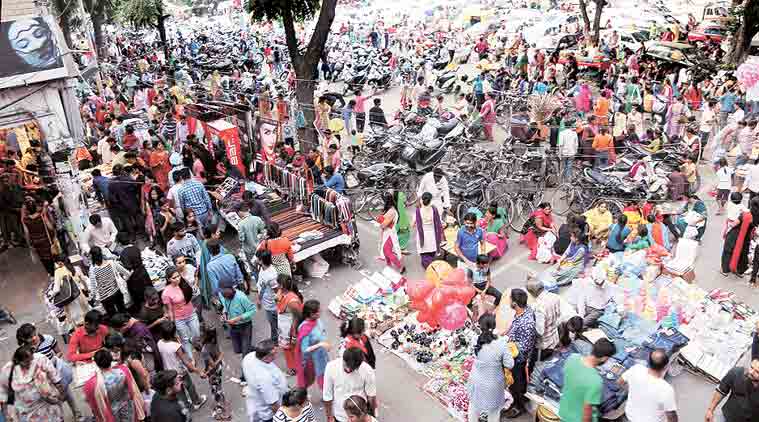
(650, 398)
(547, 308)
(593, 300)
(345, 377)
(436, 184)
(568, 144)
(751, 182)
(104, 149)
(101, 233)
(708, 120)
(266, 383)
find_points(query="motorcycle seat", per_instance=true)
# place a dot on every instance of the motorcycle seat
(447, 127)
(433, 143)
(447, 77)
(598, 177)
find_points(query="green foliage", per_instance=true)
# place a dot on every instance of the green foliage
(274, 9)
(140, 13)
(735, 18)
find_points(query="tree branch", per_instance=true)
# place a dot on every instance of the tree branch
(290, 38)
(321, 31)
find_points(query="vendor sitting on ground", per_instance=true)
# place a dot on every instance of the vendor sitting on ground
(658, 233)
(574, 260)
(480, 279)
(599, 220)
(593, 300)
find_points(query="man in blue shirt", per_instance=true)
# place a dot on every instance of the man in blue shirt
(469, 242)
(222, 268)
(335, 180)
(100, 183)
(726, 106)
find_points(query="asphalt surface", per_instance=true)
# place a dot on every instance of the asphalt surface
(399, 388)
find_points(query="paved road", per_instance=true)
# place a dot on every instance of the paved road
(400, 394)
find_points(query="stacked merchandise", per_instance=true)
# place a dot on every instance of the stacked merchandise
(720, 333)
(444, 356)
(156, 266)
(88, 189)
(378, 299)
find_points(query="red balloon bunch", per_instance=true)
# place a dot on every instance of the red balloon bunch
(442, 305)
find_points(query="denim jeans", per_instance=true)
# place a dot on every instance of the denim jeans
(602, 159)
(566, 166)
(188, 329)
(272, 317)
(241, 337)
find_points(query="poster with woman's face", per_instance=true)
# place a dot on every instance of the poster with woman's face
(28, 45)
(267, 134)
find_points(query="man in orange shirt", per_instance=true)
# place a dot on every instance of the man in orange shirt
(603, 144)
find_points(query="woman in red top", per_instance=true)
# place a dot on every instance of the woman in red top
(353, 335)
(159, 165)
(281, 249)
(289, 308)
(539, 223)
(487, 114)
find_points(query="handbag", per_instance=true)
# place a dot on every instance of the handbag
(69, 291)
(511, 347)
(55, 245)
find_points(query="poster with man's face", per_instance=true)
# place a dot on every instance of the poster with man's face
(28, 45)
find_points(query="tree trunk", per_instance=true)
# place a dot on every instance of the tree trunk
(746, 32)
(306, 64)
(97, 25)
(597, 21)
(584, 14)
(162, 35)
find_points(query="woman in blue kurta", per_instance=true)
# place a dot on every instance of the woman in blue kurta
(311, 348)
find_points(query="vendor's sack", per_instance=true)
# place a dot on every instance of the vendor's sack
(545, 248)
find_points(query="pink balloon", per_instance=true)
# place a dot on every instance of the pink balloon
(457, 277)
(418, 289)
(453, 316)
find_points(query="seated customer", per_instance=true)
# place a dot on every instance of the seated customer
(88, 339)
(480, 279)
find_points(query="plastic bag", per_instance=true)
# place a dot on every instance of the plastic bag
(545, 247)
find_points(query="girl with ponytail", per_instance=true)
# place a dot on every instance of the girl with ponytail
(487, 384)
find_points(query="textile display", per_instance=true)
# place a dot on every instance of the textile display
(156, 266)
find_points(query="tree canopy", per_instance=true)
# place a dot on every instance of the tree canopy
(300, 10)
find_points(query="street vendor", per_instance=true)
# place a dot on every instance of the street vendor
(599, 220)
(593, 300)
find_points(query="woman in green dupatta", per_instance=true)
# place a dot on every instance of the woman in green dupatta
(495, 227)
(696, 206)
(403, 227)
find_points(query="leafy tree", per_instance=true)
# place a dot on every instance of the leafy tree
(304, 62)
(65, 10)
(743, 25)
(100, 12)
(146, 14)
(596, 18)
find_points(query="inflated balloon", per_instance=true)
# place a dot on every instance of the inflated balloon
(465, 294)
(428, 318)
(456, 277)
(453, 316)
(748, 74)
(438, 301)
(418, 289)
(437, 271)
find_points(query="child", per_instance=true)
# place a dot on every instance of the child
(175, 358)
(641, 241)
(724, 184)
(192, 224)
(480, 279)
(734, 210)
(212, 358)
(357, 139)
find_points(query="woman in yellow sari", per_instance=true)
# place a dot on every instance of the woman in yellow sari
(599, 220)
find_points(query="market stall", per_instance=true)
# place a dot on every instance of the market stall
(313, 222)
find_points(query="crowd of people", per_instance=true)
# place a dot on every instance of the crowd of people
(160, 191)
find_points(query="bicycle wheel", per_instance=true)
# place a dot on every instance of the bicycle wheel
(521, 210)
(366, 203)
(408, 186)
(562, 198)
(375, 207)
(552, 178)
(495, 190)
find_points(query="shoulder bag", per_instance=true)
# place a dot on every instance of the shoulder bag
(69, 291)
